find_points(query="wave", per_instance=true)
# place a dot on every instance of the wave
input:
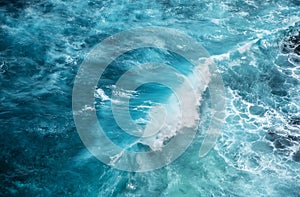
(157, 135)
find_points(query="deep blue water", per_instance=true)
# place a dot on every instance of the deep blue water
(255, 44)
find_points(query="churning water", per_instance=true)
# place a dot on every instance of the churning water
(255, 45)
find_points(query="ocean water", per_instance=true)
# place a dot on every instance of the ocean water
(255, 45)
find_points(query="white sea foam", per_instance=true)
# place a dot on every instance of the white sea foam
(99, 93)
(251, 151)
(245, 47)
(174, 121)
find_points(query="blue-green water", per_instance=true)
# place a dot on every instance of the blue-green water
(255, 44)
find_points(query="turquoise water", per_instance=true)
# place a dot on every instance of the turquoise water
(255, 45)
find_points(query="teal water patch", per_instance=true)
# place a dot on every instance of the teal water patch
(254, 44)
